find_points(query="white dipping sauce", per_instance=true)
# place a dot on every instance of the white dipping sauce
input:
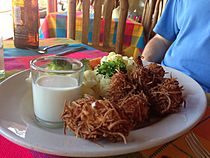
(50, 93)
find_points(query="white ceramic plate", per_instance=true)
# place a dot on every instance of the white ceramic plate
(17, 123)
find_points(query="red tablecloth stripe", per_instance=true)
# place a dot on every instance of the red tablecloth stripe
(22, 62)
(15, 151)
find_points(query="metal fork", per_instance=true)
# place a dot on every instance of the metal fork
(195, 145)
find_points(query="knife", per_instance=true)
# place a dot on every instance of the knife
(69, 51)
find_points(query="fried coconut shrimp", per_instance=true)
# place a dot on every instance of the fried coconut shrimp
(119, 87)
(157, 70)
(167, 97)
(95, 119)
(136, 108)
(146, 77)
(141, 77)
(126, 96)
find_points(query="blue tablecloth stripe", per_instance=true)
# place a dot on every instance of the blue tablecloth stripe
(15, 52)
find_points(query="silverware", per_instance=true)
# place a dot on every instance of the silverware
(69, 51)
(45, 49)
(195, 145)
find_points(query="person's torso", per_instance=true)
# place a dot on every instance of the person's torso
(190, 52)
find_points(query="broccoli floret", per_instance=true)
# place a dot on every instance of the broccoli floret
(59, 64)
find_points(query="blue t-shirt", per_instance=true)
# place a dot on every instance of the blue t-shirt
(187, 24)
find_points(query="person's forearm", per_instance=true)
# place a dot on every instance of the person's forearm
(155, 49)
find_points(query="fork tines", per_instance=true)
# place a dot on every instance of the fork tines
(198, 149)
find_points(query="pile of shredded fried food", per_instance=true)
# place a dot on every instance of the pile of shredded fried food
(133, 98)
(93, 119)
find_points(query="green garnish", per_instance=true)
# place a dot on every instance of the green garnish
(58, 64)
(108, 69)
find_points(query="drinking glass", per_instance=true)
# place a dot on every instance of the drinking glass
(55, 80)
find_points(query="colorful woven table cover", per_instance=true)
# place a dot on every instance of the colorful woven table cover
(18, 59)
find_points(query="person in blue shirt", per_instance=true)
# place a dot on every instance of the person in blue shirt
(182, 39)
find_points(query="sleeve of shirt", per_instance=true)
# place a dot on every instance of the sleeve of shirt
(167, 24)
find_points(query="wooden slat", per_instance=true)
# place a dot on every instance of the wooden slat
(160, 9)
(85, 21)
(164, 3)
(97, 22)
(51, 6)
(108, 8)
(92, 2)
(144, 11)
(71, 19)
(147, 18)
(79, 4)
(153, 10)
(121, 25)
(156, 16)
(117, 3)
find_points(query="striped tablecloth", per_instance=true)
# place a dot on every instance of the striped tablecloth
(54, 25)
(18, 59)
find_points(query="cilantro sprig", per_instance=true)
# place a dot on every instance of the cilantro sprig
(108, 69)
(86, 64)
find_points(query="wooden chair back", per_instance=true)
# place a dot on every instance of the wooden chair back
(153, 9)
(107, 17)
(52, 6)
